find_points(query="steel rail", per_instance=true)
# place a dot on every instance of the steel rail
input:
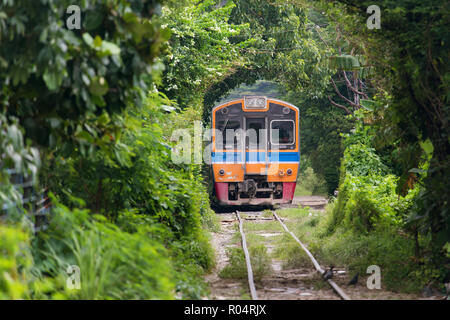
(336, 288)
(251, 283)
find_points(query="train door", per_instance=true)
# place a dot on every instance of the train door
(255, 145)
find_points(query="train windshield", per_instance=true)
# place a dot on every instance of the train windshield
(228, 128)
(282, 132)
(256, 133)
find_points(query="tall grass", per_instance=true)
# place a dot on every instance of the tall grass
(114, 264)
(389, 248)
(237, 268)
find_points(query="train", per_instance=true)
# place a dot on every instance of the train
(255, 153)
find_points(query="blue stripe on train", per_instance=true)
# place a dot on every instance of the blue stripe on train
(255, 157)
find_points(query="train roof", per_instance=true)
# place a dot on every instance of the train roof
(244, 97)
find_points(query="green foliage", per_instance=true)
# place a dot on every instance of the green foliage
(366, 203)
(367, 192)
(362, 160)
(18, 156)
(321, 130)
(356, 64)
(87, 98)
(278, 45)
(409, 55)
(389, 248)
(15, 261)
(344, 62)
(309, 183)
(237, 268)
(370, 222)
(139, 188)
(152, 244)
(114, 263)
(67, 87)
(292, 254)
(199, 50)
(126, 215)
(139, 175)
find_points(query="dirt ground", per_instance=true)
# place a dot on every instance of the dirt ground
(285, 284)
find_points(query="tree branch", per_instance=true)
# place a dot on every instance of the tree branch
(349, 84)
(343, 97)
(339, 106)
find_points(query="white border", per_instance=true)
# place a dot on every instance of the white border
(282, 144)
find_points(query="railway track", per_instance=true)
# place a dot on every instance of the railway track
(319, 269)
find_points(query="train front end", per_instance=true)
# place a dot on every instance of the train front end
(255, 151)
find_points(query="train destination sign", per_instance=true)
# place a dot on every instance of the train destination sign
(255, 102)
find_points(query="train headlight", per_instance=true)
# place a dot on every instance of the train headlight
(221, 172)
(289, 172)
(281, 172)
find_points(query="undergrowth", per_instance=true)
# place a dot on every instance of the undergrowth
(237, 268)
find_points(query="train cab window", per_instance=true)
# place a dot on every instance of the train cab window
(256, 133)
(230, 125)
(286, 131)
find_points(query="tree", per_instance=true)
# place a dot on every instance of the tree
(411, 75)
(279, 45)
(68, 87)
(199, 51)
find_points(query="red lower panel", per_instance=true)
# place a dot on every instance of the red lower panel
(288, 190)
(221, 190)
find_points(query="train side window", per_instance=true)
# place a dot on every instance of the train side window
(285, 132)
(224, 126)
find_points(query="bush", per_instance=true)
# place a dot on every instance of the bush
(369, 222)
(138, 188)
(15, 261)
(367, 190)
(132, 219)
(114, 264)
(368, 201)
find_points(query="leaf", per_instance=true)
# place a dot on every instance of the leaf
(52, 80)
(427, 146)
(54, 122)
(85, 79)
(43, 36)
(3, 63)
(365, 72)
(92, 20)
(88, 39)
(104, 48)
(109, 48)
(344, 62)
(84, 135)
(416, 170)
(167, 108)
(368, 104)
(97, 41)
(103, 119)
(98, 86)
